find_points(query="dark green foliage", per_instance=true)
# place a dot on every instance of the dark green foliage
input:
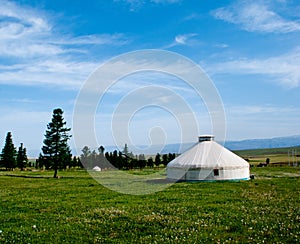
(76, 163)
(165, 159)
(157, 160)
(124, 160)
(150, 162)
(90, 159)
(56, 150)
(22, 159)
(9, 153)
(85, 157)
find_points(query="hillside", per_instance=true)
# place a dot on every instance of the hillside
(267, 151)
(276, 142)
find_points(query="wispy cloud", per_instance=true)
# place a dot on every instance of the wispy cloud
(256, 16)
(247, 110)
(65, 74)
(135, 5)
(184, 39)
(37, 54)
(283, 69)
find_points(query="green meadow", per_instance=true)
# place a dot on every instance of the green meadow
(277, 156)
(36, 208)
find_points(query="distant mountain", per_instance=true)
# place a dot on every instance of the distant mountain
(288, 141)
(277, 142)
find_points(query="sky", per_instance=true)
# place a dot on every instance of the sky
(249, 50)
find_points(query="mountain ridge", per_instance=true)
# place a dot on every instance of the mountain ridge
(247, 144)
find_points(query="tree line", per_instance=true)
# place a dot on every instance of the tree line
(123, 160)
(56, 153)
(10, 158)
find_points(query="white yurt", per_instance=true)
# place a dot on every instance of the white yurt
(208, 160)
(96, 168)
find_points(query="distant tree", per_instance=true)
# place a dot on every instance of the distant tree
(93, 159)
(150, 162)
(102, 160)
(43, 161)
(56, 147)
(123, 162)
(157, 160)
(101, 150)
(165, 159)
(22, 159)
(73, 163)
(171, 156)
(85, 157)
(108, 156)
(9, 153)
(79, 164)
(125, 150)
(142, 161)
(114, 160)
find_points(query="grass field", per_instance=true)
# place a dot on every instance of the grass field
(76, 209)
(276, 155)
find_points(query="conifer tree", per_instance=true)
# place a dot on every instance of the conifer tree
(56, 148)
(157, 160)
(22, 158)
(9, 153)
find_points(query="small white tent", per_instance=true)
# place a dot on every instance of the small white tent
(208, 160)
(97, 168)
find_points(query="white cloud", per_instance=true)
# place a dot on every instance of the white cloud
(283, 69)
(253, 16)
(221, 45)
(104, 39)
(264, 110)
(37, 54)
(136, 5)
(64, 73)
(183, 39)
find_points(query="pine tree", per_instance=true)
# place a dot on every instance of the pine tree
(9, 153)
(56, 148)
(85, 157)
(165, 159)
(125, 150)
(157, 160)
(150, 162)
(22, 158)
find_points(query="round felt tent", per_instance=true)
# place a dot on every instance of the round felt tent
(208, 160)
(97, 168)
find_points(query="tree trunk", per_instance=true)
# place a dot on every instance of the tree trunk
(55, 168)
(55, 172)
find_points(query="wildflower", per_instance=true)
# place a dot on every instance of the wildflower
(0, 231)
(34, 226)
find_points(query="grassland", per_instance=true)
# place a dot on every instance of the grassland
(36, 208)
(277, 156)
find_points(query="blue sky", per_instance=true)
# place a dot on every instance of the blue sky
(249, 49)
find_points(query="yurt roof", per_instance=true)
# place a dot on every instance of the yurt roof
(208, 154)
